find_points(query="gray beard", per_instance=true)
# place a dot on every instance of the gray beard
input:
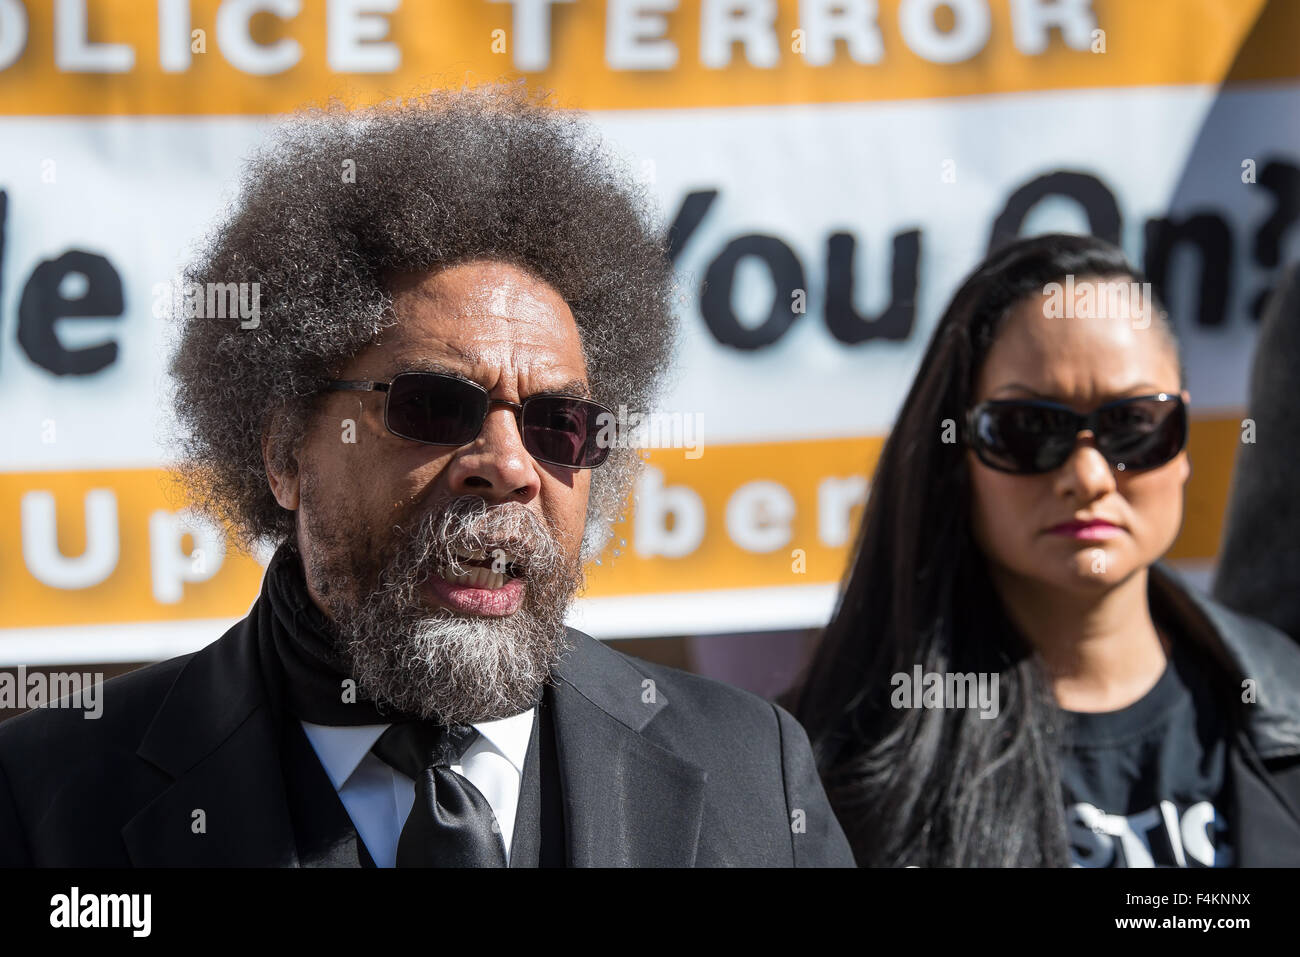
(432, 662)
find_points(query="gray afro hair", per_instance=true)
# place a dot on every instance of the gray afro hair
(490, 172)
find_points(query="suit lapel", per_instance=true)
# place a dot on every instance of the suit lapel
(627, 801)
(526, 842)
(216, 736)
(323, 832)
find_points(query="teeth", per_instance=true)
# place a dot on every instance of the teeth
(492, 554)
(476, 578)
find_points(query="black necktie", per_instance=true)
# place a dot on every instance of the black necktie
(451, 823)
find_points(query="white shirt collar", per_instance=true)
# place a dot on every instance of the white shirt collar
(509, 736)
(342, 748)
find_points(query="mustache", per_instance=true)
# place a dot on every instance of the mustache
(457, 532)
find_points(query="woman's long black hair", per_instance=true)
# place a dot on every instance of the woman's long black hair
(942, 787)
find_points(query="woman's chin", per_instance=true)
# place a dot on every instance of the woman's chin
(1097, 569)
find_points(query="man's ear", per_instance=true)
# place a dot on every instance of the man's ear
(281, 466)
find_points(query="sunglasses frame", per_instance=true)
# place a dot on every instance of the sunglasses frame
(1083, 423)
(373, 385)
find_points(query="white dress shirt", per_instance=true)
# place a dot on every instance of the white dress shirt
(378, 797)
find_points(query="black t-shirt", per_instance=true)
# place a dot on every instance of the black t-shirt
(1145, 786)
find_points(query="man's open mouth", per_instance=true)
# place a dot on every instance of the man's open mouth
(489, 568)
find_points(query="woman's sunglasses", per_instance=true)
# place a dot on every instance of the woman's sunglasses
(1031, 436)
(441, 409)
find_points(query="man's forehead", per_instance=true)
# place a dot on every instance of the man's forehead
(483, 315)
(465, 342)
(487, 287)
(431, 351)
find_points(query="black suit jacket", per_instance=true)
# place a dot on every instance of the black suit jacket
(656, 768)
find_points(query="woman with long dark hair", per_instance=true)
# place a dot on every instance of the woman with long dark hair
(1010, 677)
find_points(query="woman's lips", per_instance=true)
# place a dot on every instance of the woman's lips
(1093, 530)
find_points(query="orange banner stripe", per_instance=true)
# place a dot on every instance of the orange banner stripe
(1153, 42)
(145, 566)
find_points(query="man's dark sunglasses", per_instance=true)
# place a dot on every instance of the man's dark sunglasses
(1031, 436)
(439, 409)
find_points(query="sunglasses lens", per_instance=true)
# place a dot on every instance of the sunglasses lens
(1023, 437)
(436, 409)
(564, 431)
(1142, 433)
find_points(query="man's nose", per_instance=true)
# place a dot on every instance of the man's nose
(496, 466)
